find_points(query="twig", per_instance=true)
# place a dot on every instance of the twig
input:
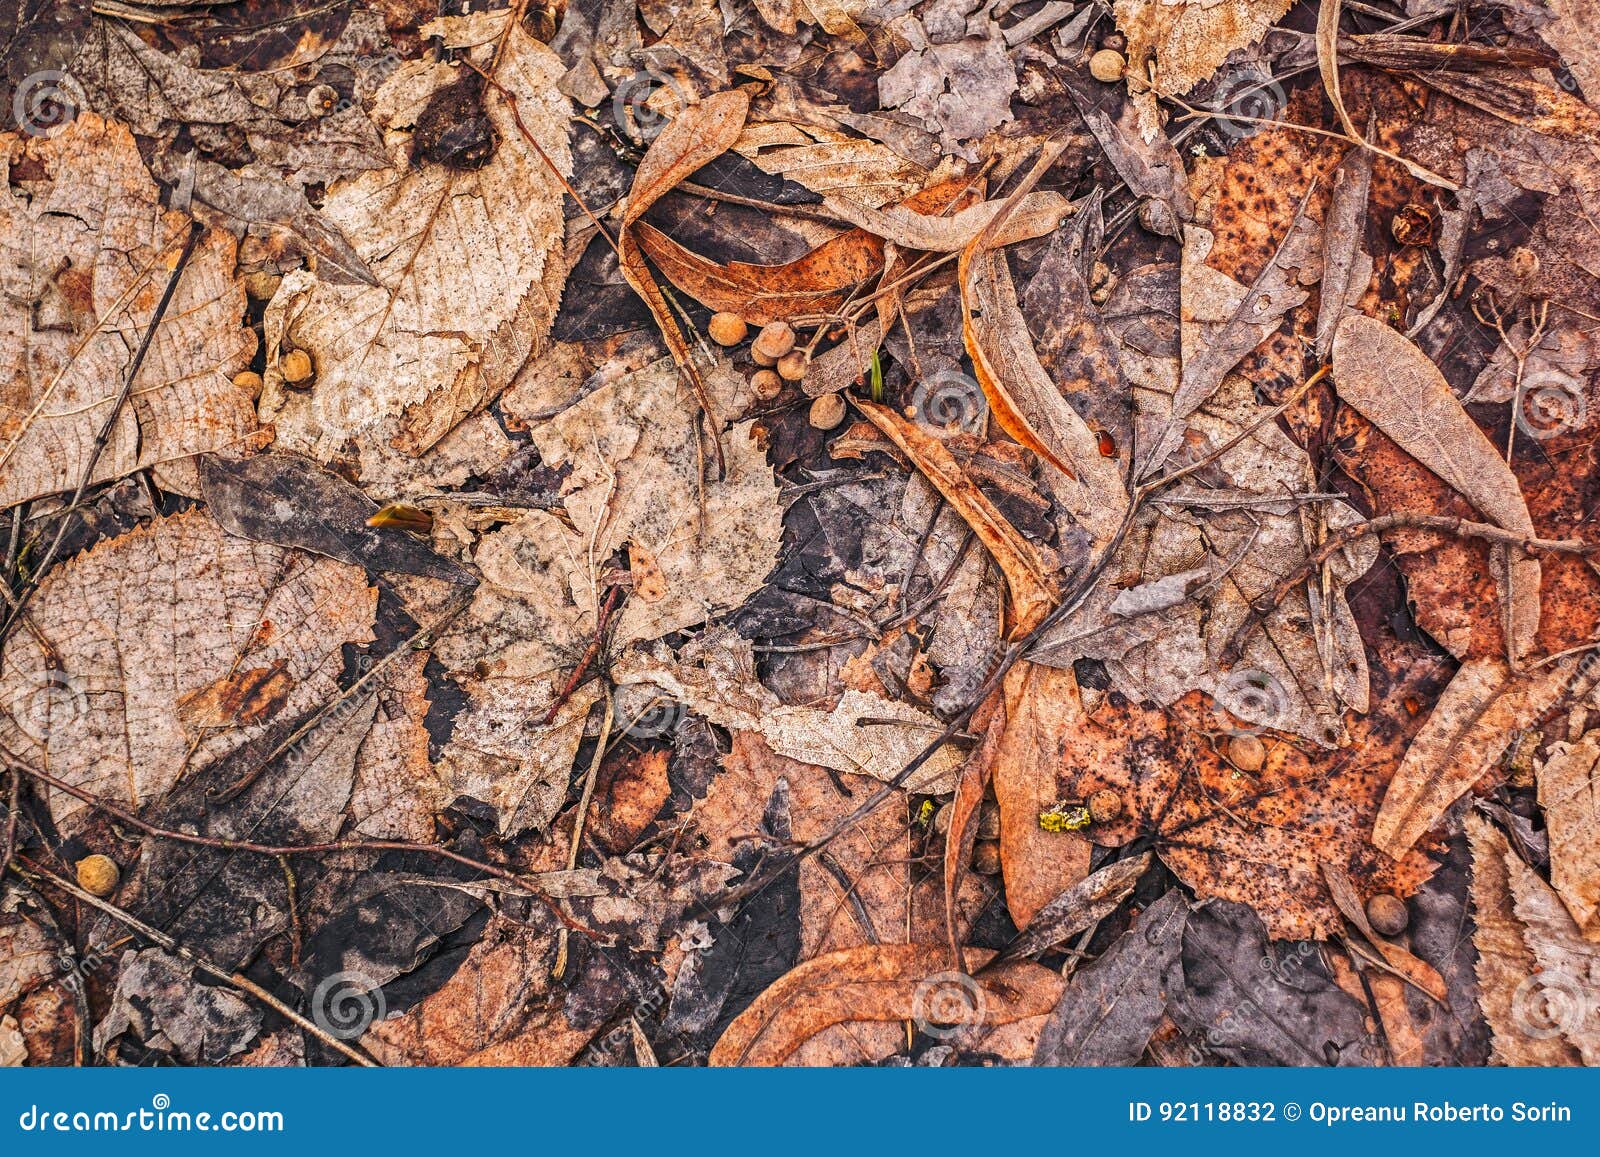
(40, 875)
(575, 680)
(122, 815)
(1438, 523)
(593, 774)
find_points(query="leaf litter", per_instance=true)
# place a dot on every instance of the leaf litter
(920, 534)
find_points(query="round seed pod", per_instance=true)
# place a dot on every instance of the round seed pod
(767, 385)
(1107, 65)
(98, 875)
(249, 381)
(1105, 806)
(1247, 753)
(1524, 263)
(1388, 915)
(827, 412)
(262, 284)
(988, 820)
(986, 858)
(792, 365)
(727, 328)
(296, 367)
(773, 342)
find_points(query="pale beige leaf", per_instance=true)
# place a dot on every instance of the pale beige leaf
(1034, 215)
(1506, 967)
(1395, 387)
(1569, 793)
(1470, 726)
(85, 253)
(153, 618)
(1568, 966)
(827, 161)
(468, 262)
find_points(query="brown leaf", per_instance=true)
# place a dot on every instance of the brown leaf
(1395, 387)
(1515, 96)
(1419, 972)
(884, 982)
(1569, 793)
(1033, 215)
(1032, 589)
(1470, 726)
(1037, 865)
(1081, 906)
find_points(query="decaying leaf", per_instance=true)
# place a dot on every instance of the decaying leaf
(1569, 793)
(87, 252)
(468, 262)
(884, 982)
(147, 621)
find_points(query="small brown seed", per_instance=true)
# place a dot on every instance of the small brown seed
(1247, 753)
(98, 875)
(1107, 65)
(773, 342)
(792, 365)
(941, 819)
(986, 858)
(767, 385)
(1524, 263)
(1105, 805)
(1387, 914)
(262, 284)
(248, 381)
(827, 412)
(727, 328)
(322, 100)
(296, 367)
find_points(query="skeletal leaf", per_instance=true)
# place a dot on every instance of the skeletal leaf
(1470, 725)
(86, 251)
(884, 982)
(1569, 793)
(1395, 387)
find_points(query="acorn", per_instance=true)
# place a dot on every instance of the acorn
(1107, 65)
(772, 343)
(249, 381)
(1105, 806)
(296, 367)
(792, 365)
(1247, 753)
(1387, 914)
(986, 858)
(727, 328)
(827, 412)
(766, 384)
(98, 875)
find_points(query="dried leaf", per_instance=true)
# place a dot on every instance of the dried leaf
(87, 251)
(1032, 589)
(1114, 1003)
(1419, 972)
(883, 982)
(1346, 265)
(1569, 793)
(468, 261)
(1395, 387)
(1470, 726)
(150, 619)
(1507, 984)
(1081, 906)
(909, 227)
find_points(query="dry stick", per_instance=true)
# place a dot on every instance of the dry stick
(1439, 523)
(280, 850)
(14, 799)
(560, 967)
(194, 959)
(104, 436)
(421, 641)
